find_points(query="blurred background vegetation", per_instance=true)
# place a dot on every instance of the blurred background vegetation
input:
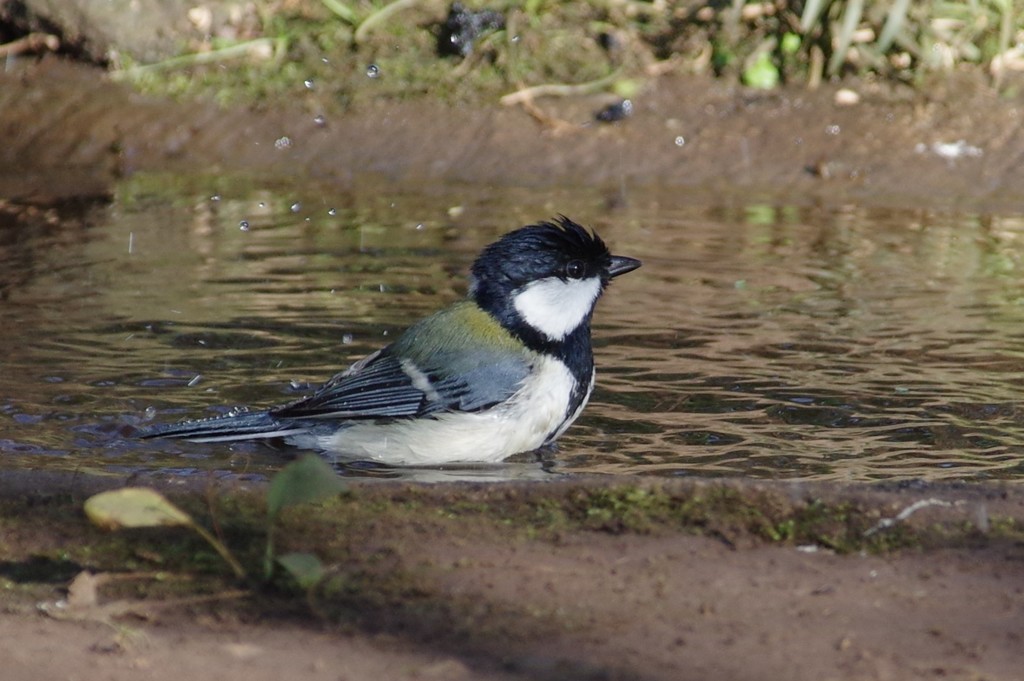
(490, 48)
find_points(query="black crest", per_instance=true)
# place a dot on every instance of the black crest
(537, 251)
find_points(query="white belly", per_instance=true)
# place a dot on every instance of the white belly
(537, 413)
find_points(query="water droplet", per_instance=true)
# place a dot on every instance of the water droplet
(282, 142)
(332, 211)
(515, 39)
(320, 120)
(244, 225)
(262, 204)
(215, 197)
(347, 339)
(420, 226)
(832, 129)
(195, 380)
(324, 60)
(680, 141)
(150, 412)
(372, 71)
(308, 83)
(296, 207)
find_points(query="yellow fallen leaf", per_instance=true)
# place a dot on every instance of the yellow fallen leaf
(134, 507)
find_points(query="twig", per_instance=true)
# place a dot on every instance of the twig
(557, 125)
(257, 46)
(33, 42)
(886, 523)
(558, 90)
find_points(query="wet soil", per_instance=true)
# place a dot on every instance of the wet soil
(488, 582)
(69, 130)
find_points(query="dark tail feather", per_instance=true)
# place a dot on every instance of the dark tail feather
(244, 426)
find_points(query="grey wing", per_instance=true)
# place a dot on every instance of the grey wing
(386, 386)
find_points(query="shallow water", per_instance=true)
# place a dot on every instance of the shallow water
(762, 338)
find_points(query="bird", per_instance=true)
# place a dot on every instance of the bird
(504, 371)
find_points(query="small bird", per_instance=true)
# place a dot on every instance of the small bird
(506, 370)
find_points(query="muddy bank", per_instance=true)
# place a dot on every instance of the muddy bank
(69, 130)
(584, 579)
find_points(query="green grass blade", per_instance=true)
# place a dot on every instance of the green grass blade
(851, 19)
(893, 23)
(809, 18)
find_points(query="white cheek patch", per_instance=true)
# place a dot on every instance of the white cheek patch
(556, 307)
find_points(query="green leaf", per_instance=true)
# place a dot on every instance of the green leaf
(134, 507)
(627, 88)
(303, 481)
(305, 568)
(762, 73)
(790, 44)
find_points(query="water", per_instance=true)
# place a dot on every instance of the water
(761, 338)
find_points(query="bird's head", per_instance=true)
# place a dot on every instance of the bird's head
(542, 281)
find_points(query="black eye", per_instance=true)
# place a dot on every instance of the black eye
(575, 269)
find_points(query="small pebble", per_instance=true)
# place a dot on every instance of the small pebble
(846, 97)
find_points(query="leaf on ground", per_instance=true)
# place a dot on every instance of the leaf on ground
(134, 507)
(303, 481)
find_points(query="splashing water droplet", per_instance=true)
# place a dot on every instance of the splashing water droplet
(347, 339)
(244, 225)
(215, 197)
(296, 207)
(372, 71)
(332, 211)
(262, 204)
(309, 83)
(680, 141)
(282, 142)
(320, 120)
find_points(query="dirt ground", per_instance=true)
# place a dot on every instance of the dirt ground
(488, 599)
(449, 582)
(68, 131)
(676, 607)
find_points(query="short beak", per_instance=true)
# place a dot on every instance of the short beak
(621, 264)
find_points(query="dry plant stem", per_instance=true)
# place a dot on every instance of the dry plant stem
(33, 42)
(234, 51)
(557, 125)
(222, 550)
(557, 90)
